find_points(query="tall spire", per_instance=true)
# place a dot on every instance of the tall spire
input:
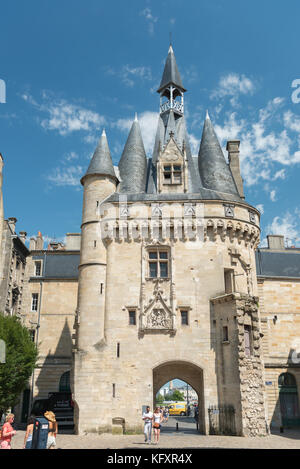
(171, 74)
(214, 171)
(133, 162)
(101, 162)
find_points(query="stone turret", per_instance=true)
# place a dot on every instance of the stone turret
(98, 182)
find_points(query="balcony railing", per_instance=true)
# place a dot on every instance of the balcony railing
(175, 105)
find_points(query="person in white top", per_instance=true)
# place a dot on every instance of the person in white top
(148, 418)
(157, 419)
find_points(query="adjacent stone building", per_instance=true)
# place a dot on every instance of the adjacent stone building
(13, 255)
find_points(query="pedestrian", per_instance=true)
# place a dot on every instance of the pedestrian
(157, 419)
(29, 433)
(196, 415)
(52, 432)
(148, 417)
(165, 414)
(7, 432)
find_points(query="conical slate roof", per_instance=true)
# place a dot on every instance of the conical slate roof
(214, 171)
(171, 73)
(133, 162)
(101, 162)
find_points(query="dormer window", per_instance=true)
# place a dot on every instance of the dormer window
(172, 174)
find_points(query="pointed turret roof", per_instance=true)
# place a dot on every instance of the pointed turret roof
(171, 73)
(133, 162)
(101, 162)
(214, 171)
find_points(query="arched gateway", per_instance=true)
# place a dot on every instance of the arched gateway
(167, 281)
(186, 371)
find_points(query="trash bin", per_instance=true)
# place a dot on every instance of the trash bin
(40, 433)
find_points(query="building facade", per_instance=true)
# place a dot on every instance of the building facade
(165, 281)
(167, 277)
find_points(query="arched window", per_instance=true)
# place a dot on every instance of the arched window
(64, 383)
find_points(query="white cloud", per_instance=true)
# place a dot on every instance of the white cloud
(286, 226)
(129, 74)
(273, 195)
(66, 176)
(260, 207)
(233, 85)
(65, 117)
(262, 147)
(71, 156)
(147, 13)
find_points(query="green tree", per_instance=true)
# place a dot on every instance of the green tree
(159, 399)
(21, 358)
(174, 396)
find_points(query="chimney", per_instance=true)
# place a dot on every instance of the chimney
(12, 224)
(22, 236)
(73, 241)
(275, 241)
(39, 246)
(32, 244)
(232, 148)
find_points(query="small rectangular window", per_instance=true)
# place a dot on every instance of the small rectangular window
(118, 349)
(95, 244)
(172, 174)
(34, 301)
(37, 265)
(184, 318)
(32, 334)
(132, 318)
(114, 390)
(225, 333)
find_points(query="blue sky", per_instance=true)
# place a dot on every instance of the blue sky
(73, 67)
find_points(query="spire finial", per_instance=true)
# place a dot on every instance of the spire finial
(207, 115)
(135, 117)
(103, 133)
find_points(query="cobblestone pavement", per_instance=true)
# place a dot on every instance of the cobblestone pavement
(186, 437)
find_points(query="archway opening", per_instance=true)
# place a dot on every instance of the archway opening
(187, 379)
(288, 397)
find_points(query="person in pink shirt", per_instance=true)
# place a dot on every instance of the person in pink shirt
(7, 432)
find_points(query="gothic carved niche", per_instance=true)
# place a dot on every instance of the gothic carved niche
(158, 319)
(157, 315)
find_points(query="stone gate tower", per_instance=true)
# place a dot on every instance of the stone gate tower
(167, 280)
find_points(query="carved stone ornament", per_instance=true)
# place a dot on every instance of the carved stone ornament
(156, 210)
(252, 217)
(157, 315)
(189, 210)
(229, 210)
